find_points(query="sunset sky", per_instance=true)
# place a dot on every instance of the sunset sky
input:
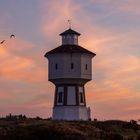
(109, 28)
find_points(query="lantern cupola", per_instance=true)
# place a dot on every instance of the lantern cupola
(70, 37)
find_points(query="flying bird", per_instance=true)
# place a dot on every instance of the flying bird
(2, 41)
(12, 36)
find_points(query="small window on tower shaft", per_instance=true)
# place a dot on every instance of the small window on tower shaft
(60, 97)
(86, 67)
(56, 66)
(81, 98)
(72, 65)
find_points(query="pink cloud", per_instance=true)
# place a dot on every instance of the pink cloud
(131, 7)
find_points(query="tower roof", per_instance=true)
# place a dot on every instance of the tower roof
(70, 49)
(70, 31)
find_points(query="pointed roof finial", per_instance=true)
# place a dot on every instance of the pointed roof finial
(69, 22)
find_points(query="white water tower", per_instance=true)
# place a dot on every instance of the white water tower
(70, 68)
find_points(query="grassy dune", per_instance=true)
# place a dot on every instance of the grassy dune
(22, 128)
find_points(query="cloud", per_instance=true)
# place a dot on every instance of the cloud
(131, 7)
(54, 16)
(127, 6)
(23, 76)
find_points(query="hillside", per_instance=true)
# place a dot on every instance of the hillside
(22, 128)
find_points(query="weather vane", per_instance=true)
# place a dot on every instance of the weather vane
(69, 22)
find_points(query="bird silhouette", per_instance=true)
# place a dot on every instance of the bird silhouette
(2, 41)
(12, 36)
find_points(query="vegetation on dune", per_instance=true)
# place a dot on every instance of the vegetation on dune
(22, 128)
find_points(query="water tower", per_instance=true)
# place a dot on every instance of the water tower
(70, 68)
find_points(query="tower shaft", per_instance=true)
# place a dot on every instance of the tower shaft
(70, 102)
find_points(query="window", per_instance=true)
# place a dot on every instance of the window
(86, 67)
(68, 36)
(81, 98)
(72, 66)
(56, 66)
(76, 38)
(60, 97)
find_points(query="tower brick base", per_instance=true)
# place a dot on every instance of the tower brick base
(71, 113)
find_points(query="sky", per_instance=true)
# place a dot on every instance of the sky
(109, 28)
